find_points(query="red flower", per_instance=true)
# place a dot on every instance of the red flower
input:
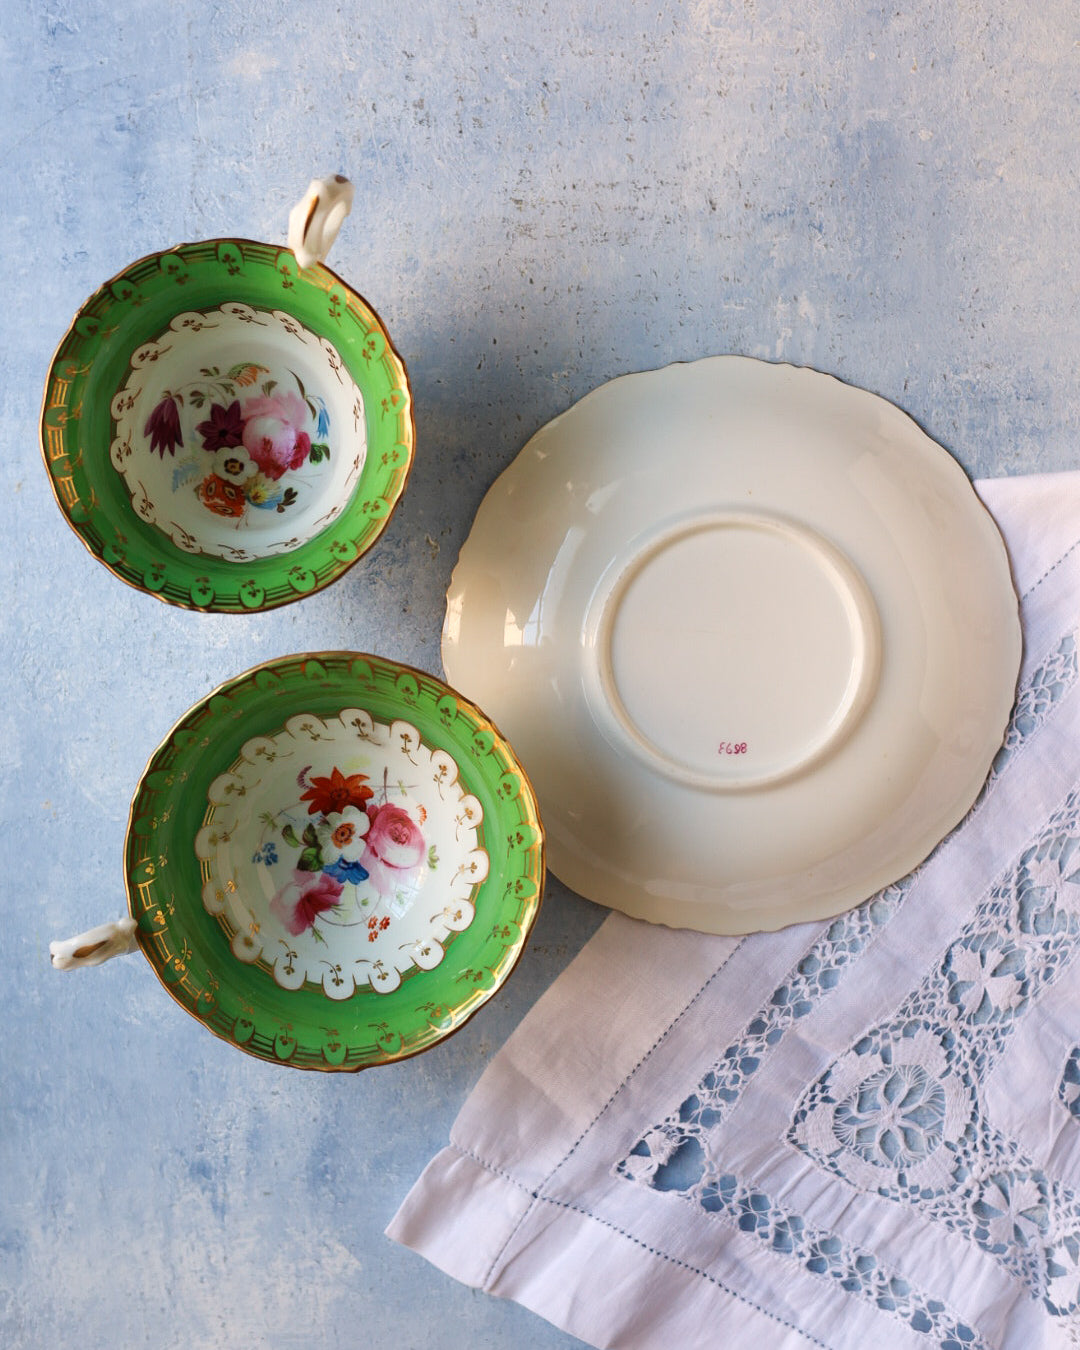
(307, 896)
(225, 427)
(330, 796)
(163, 427)
(220, 496)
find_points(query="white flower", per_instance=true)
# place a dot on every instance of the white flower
(639, 1168)
(1063, 1273)
(341, 835)
(1045, 873)
(974, 974)
(233, 464)
(662, 1144)
(1014, 1209)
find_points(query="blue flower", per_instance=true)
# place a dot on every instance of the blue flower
(322, 426)
(343, 871)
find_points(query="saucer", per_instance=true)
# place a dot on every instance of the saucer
(753, 634)
(225, 430)
(333, 861)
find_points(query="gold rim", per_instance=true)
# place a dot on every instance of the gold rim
(484, 723)
(241, 242)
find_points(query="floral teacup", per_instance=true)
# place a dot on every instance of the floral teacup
(332, 861)
(226, 428)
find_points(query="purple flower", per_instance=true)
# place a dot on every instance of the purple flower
(163, 427)
(225, 427)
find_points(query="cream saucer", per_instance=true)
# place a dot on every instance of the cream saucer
(752, 633)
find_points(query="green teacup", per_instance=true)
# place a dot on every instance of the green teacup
(332, 861)
(226, 429)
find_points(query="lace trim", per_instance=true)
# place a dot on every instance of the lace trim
(900, 1106)
(855, 1269)
(846, 938)
(818, 972)
(1069, 1088)
(1046, 687)
(901, 1115)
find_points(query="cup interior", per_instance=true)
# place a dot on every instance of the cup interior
(226, 430)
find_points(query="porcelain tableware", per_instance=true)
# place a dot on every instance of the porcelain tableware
(226, 429)
(332, 861)
(752, 633)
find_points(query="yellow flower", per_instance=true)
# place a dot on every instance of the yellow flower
(260, 489)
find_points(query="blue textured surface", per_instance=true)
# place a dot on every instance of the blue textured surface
(548, 195)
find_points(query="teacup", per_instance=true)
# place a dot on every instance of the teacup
(226, 424)
(332, 861)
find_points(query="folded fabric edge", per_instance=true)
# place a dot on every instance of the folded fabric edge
(523, 1119)
(460, 1215)
(473, 1224)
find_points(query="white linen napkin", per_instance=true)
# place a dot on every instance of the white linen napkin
(857, 1133)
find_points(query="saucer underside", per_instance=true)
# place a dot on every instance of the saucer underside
(752, 633)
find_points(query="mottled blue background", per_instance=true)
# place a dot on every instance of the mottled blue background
(549, 194)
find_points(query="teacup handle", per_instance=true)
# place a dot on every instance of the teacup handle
(95, 945)
(316, 218)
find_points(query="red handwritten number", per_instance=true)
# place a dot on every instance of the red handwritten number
(732, 748)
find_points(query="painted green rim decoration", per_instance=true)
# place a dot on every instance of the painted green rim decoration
(96, 356)
(193, 950)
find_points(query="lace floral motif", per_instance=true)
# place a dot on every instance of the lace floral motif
(901, 1114)
(897, 1107)
(818, 972)
(847, 937)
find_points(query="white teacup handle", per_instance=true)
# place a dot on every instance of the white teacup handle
(95, 945)
(316, 218)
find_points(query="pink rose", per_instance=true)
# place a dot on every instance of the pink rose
(394, 848)
(273, 432)
(308, 895)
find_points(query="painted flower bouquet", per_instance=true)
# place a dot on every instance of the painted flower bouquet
(254, 434)
(343, 852)
(350, 841)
